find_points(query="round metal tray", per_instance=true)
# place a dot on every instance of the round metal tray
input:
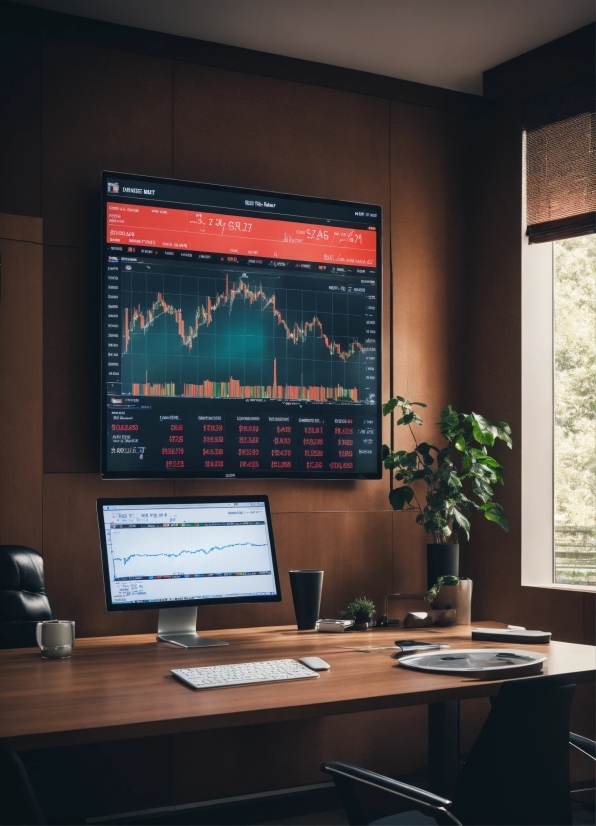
(487, 663)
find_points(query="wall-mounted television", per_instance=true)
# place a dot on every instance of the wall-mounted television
(240, 333)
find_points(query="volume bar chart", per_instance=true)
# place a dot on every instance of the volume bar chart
(232, 389)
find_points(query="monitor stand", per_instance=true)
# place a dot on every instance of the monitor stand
(179, 626)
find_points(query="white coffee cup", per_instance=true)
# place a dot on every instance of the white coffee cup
(55, 638)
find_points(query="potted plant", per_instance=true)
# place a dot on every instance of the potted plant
(361, 610)
(456, 479)
(455, 605)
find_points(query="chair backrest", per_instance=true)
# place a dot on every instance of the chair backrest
(18, 804)
(517, 772)
(23, 599)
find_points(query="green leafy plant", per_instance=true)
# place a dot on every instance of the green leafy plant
(442, 580)
(451, 475)
(359, 606)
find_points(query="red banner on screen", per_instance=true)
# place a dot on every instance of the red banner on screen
(184, 229)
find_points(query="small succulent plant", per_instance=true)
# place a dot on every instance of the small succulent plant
(359, 607)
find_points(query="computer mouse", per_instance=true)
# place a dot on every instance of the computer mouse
(316, 663)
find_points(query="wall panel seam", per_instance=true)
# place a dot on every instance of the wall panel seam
(22, 240)
(336, 88)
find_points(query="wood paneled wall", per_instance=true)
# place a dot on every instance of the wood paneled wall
(196, 123)
(20, 380)
(429, 185)
(74, 106)
(491, 351)
(91, 107)
(491, 365)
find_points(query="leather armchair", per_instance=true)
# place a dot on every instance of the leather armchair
(23, 599)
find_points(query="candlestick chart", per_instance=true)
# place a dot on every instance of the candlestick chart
(238, 335)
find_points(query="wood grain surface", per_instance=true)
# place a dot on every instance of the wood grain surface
(21, 381)
(88, 126)
(492, 368)
(297, 137)
(445, 181)
(20, 123)
(121, 687)
(21, 228)
(353, 548)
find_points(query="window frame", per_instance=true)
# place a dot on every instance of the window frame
(537, 338)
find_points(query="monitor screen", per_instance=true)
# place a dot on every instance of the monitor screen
(172, 552)
(240, 333)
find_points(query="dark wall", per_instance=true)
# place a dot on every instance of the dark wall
(79, 96)
(82, 96)
(491, 349)
(491, 362)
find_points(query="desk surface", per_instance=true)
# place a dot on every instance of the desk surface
(114, 688)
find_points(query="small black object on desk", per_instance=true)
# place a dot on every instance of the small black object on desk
(306, 593)
(511, 635)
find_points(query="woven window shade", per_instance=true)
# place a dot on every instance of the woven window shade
(560, 155)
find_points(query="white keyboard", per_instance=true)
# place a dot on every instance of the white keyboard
(270, 671)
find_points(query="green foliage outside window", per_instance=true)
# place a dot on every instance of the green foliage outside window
(575, 410)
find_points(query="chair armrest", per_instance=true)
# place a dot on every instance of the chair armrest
(379, 781)
(583, 744)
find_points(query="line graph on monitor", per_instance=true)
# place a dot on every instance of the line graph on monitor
(168, 551)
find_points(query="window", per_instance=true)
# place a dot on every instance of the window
(559, 413)
(559, 341)
(574, 379)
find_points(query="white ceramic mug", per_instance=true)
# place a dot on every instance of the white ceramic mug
(55, 638)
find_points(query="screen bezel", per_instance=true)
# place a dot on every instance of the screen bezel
(297, 475)
(181, 500)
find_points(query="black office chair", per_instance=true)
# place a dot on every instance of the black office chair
(516, 773)
(23, 599)
(18, 804)
(588, 748)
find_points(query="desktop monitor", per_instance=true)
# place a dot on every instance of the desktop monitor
(176, 553)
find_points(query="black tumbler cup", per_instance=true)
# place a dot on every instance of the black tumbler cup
(306, 592)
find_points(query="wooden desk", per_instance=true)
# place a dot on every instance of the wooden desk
(114, 688)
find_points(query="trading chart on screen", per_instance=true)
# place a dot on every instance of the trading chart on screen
(241, 333)
(167, 553)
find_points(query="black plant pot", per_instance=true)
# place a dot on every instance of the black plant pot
(362, 620)
(441, 560)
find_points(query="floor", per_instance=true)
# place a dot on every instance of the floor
(317, 807)
(336, 817)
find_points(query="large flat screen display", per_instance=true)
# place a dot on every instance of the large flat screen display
(241, 333)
